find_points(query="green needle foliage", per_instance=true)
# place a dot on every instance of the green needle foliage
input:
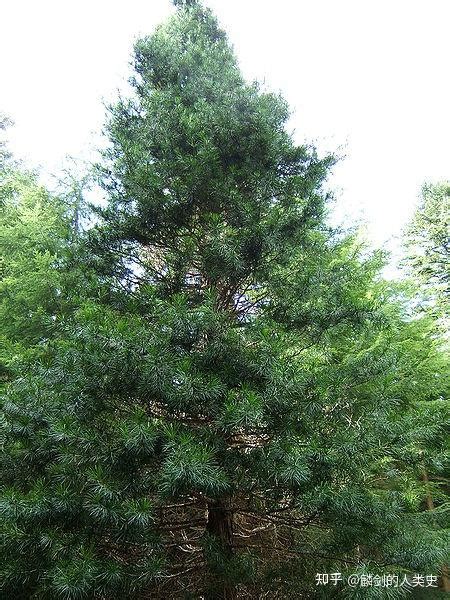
(224, 415)
(33, 231)
(39, 282)
(427, 261)
(427, 238)
(427, 245)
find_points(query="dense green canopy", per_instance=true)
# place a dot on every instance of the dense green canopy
(231, 400)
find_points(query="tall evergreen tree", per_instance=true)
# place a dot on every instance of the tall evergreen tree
(226, 421)
(427, 260)
(427, 238)
(5, 155)
(33, 232)
(39, 232)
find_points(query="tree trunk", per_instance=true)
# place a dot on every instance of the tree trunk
(220, 525)
(430, 506)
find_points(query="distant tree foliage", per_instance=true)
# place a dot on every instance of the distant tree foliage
(428, 262)
(428, 238)
(37, 288)
(5, 155)
(32, 231)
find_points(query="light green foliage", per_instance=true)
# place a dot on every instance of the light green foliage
(427, 244)
(427, 239)
(32, 230)
(5, 155)
(428, 259)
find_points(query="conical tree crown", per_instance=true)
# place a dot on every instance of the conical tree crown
(202, 171)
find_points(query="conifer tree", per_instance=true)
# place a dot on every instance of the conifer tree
(426, 241)
(427, 238)
(427, 252)
(39, 231)
(5, 155)
(34, 230)
(222, 416)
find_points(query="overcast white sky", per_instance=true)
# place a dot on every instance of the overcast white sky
(368, 76)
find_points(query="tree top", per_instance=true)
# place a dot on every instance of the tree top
(184, 3)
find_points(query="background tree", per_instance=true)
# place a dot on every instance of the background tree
(222, 417)
(32, 230)
(427, 241)
(37, 284)
(427, 261)
(5, 155)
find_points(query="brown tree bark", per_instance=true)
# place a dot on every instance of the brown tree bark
(430, 506)
(220, 525)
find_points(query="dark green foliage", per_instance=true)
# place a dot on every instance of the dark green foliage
(230, 410)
